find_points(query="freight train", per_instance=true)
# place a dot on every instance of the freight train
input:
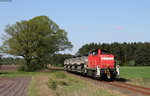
(98, 64)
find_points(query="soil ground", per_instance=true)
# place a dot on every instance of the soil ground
(14, 86)
(9, 67)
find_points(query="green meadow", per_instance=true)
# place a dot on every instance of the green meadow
(136, 75)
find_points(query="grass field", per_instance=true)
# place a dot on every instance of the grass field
(58, 83)
(136, 75)
(61, 84)
(18, 73)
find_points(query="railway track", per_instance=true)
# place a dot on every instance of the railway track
(129, 89)
(134, 88)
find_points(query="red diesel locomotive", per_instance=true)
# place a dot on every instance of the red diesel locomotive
(98, 64)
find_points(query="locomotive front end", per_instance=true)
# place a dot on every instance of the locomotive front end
(104, 64)
(108, 70)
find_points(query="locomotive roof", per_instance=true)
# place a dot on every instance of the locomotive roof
(98, 49)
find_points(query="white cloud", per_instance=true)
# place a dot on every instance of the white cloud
(118, 27)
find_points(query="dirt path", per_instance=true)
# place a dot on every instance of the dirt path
(14, 86)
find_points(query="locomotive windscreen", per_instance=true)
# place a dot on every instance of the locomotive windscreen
(104, 52)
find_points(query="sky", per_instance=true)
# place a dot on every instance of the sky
(85, 21)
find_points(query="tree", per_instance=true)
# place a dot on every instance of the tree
(58, 59)
(35, 40)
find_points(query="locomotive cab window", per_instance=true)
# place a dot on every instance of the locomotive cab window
(94, 53)
(104, 52)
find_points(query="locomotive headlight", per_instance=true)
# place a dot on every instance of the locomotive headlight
(107, 58)
(108, 66)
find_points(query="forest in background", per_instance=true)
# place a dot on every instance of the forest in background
(126, 54)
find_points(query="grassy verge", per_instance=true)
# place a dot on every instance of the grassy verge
(17, 73)
(67, 85)
(136, 75)
(38, 86)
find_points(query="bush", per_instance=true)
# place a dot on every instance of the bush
(57, 79)
(22, 68)
(63, 83)
(52, 84)
(60, 75)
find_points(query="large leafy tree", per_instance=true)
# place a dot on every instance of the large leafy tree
(35, 40)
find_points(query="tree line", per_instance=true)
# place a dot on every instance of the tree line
(11, 61)
(126, 54)
(54, 60)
